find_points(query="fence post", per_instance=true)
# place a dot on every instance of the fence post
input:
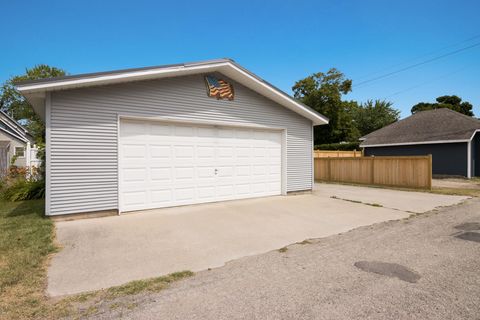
(430, 168)
(372, 169)
(329, 170)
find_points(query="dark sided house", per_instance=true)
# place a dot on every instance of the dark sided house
(450, 137)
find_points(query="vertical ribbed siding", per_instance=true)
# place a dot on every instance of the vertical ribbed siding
(84, 133)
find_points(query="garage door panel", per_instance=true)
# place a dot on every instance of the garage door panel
(184, 152)
(274, 153)
(226, 190)
(184, 174)
(225, 152)
(243, 152)
(133, 129)
(275, 170)
(242, 170)
(168, 164)
(243, 134)
(159, 174)
(242, 189)
(259, 170)
(135, 198)
(225, 171)
(134, 151)
(184, 194)
(226, 133)
(243, 180)
(157, 129)
(274, 185)
(160, 151)
(206, 172)
(206, 132)
(161, 196)
(205, 152)
(259, 187)
(184, 131)
(206, 192)
(134, 174)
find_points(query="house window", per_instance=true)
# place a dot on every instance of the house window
(20, 152)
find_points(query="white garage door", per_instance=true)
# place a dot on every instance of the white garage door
(164, 164)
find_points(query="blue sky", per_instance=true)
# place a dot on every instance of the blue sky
(281, 41)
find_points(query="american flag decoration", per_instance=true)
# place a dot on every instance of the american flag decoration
(218, 88)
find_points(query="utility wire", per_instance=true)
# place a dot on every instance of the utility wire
(418, 57)
(418, 64)
(424, 83)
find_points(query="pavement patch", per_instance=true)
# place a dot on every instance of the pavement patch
(469, 236)
(392, 270)
(468, 226)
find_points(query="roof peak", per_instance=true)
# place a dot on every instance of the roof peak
(36, 91)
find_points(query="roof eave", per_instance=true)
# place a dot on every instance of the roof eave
(366, 145)
(36, 92)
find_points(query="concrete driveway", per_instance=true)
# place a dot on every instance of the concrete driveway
(104, 252)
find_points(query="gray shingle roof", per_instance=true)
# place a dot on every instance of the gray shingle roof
(433, 125)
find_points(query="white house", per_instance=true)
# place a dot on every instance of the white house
(16, 145)
(170, 135)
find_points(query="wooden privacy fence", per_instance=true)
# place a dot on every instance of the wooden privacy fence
(409, 172)
(336, 154)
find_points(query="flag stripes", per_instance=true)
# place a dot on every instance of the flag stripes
(218, 88)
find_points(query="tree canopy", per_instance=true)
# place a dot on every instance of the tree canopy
(349, 120)
(323, 92)
(374, 115)
(451, 102)
(13, 103)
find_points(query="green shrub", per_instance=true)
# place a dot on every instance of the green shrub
(346, 146)
(22, 189)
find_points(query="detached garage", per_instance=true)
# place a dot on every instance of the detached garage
(171, 135)
(450, 137)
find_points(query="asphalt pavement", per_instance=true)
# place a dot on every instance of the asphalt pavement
(423, 267)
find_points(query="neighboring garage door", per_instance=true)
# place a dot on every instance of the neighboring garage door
(165, 164)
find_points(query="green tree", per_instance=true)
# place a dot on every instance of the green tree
(451, 102)
(323, 92)
(13, 103)
(373, 115)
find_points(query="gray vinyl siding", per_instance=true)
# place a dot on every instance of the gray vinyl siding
(83, 133)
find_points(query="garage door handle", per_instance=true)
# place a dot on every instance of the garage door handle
(216, 170)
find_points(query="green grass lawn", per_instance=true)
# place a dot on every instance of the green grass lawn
(26, 241)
